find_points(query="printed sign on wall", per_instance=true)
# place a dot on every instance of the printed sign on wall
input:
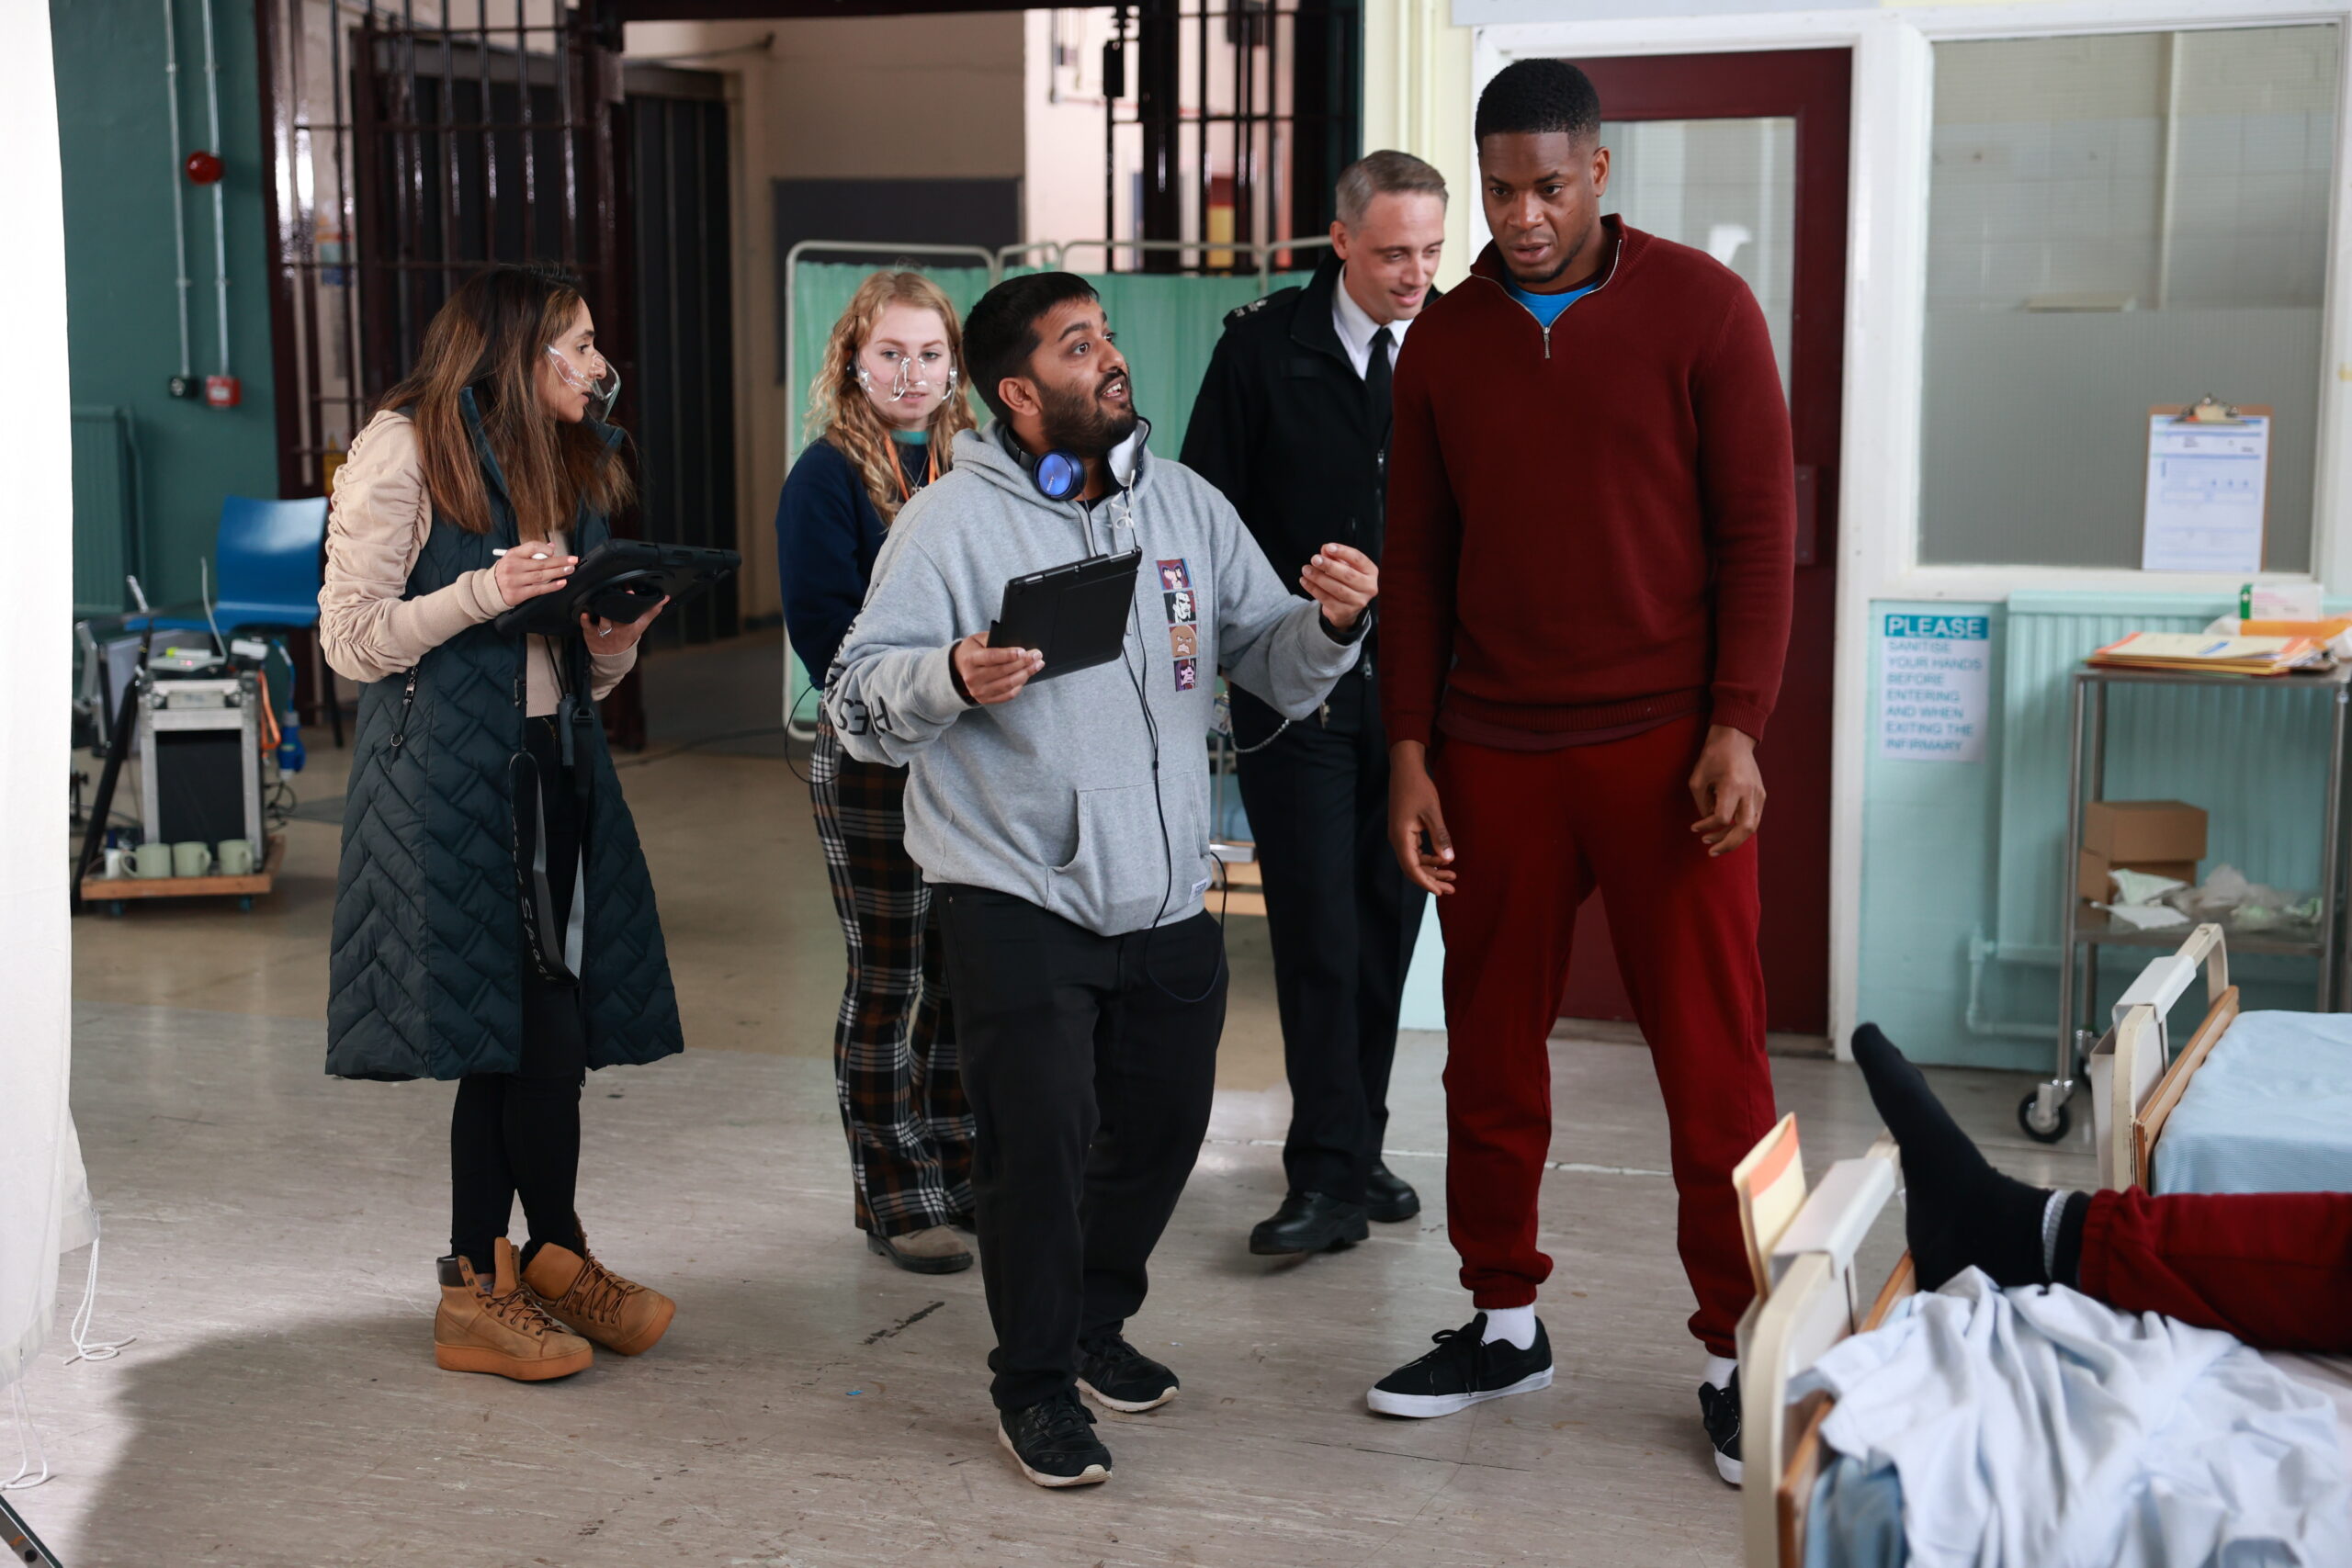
(1933, 678)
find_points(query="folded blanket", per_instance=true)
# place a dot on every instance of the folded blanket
(2039, 1428)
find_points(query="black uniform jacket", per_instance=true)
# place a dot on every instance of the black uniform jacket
(1283, 428)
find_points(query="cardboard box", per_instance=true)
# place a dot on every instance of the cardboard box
(2138, 833)
(2091, 872)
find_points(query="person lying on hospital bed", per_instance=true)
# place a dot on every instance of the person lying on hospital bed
(2274, 1269)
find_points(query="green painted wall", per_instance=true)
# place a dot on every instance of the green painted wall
(124, 340)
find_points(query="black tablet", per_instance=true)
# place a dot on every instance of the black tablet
(1076, 614)
(620, 581)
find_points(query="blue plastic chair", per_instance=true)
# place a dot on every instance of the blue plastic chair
(267, 563)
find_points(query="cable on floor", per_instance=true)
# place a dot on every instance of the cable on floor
(29, 1445)
(85, 1348)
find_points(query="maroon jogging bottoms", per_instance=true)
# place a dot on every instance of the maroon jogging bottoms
(2275, 1269)
(1534, 832)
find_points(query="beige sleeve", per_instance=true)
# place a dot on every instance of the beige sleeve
(377, 527)
(606, 671)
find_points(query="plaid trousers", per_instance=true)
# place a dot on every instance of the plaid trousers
(895, 1066)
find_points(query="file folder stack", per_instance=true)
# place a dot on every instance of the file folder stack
(2207, 654)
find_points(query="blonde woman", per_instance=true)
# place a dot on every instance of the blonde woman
(493, 920)
(884, 412)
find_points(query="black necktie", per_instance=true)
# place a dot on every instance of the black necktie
(1377, 375)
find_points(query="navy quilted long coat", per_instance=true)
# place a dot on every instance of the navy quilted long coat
(426, 967)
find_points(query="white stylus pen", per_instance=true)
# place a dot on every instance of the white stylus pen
(540, 555)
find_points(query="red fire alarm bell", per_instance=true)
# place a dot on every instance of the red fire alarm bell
(203, 168)
(223, 391)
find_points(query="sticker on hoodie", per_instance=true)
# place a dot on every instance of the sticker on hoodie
(1173, 575)
(1184, 642)
(1188, 674)
(1180, 605)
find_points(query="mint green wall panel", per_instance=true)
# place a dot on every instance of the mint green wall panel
(1956, 851)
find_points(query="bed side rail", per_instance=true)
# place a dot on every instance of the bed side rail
(1813, 1304)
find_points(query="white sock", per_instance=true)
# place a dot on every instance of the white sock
(1514, 1324)
(1719, 1371)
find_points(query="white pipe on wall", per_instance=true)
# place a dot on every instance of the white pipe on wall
(179, 198)
(220, 187)
(2168, 192)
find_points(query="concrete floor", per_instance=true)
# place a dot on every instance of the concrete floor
(270, 1235)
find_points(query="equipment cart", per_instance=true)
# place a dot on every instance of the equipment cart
(2085, 930)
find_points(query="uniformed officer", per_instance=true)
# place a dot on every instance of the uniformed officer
(1291, 424)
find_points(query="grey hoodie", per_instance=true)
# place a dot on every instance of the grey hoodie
(1050, 796)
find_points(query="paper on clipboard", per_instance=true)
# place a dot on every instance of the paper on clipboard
(2207, 483)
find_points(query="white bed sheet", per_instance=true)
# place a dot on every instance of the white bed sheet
(2331, 1375)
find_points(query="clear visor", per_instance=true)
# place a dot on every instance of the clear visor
(592, 377)
(899, 376)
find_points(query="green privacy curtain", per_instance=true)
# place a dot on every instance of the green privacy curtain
(822, 291)
(1167, 326)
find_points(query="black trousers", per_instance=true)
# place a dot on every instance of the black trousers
(519, 1133)
(1089, 1062)
(1343, 919)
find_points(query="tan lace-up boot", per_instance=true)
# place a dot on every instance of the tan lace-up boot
(497, 1326)
(591, 1301)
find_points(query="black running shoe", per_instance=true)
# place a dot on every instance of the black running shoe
(1719, 1408)
(1121, 1377)
(1054, 1443)
(1462, 1370)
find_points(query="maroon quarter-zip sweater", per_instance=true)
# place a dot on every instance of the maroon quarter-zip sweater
(1591, 529)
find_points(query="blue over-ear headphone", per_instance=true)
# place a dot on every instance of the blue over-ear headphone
(1059, 475)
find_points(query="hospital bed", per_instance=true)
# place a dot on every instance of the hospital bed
(1818, 1294)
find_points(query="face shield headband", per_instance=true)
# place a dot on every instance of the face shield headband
(910, 381)
(601, 391)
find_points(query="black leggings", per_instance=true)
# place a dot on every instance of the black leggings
(519, 1133)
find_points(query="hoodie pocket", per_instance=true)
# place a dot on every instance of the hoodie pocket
(1114, 878)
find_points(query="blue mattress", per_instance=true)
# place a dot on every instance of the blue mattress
(2269, 1111)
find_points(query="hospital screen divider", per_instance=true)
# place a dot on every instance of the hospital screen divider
(1168, 325)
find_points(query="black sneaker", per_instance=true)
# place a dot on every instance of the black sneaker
(1121, 1377)
(1719, 1408)
(1053, 1442)
(1462, 1370)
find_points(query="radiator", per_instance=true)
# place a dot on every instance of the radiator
(106, 509)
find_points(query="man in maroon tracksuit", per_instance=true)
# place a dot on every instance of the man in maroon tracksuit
(1591, 541)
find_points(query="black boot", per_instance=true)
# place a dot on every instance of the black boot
(1309, 1222)
(1388, 1197)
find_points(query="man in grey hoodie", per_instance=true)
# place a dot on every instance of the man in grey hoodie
(1066, 831)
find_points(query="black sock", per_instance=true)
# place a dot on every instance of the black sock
(1959, 1210)
(2067, 1263)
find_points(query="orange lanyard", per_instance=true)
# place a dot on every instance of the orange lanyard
(906, 491)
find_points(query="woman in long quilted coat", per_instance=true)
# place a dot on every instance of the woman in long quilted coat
(495, 923)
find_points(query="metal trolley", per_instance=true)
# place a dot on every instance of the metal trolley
(2043, 1113)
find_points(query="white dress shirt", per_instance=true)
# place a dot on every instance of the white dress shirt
(1357, 328)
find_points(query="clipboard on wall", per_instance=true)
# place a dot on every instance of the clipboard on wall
(2208, 487)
